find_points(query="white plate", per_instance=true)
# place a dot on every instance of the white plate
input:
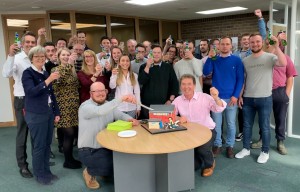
(127, 133)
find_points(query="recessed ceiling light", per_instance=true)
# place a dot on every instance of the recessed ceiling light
(223, 10)
(274, 10)
(148, 2)
(17, 23)
(35, 7)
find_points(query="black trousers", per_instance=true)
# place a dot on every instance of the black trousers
(203, 154)
(280, 107)
(240, 120)
(22, 132)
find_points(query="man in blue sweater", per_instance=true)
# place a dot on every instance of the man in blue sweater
(228, 77)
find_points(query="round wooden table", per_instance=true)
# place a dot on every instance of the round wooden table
(155, 162)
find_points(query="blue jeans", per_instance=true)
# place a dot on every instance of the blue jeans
(99, 162)
(230, 116)
(263, 106)
(41, 130)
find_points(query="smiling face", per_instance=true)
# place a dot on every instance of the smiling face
(124, 62)
(98, 92)
(157, 54)
(256, 43)
(89, 59)
(116, 54)
(106, 44)
(50, 51)
(38, 60)
(245, 42)
(187, 87)
(63, 56)
(28, 43)
(81, 38)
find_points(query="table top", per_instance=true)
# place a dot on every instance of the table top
(146, 143)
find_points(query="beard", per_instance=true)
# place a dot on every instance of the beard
(256, 51)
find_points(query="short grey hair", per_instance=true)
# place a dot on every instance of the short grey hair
(35, 50)
(132, 40)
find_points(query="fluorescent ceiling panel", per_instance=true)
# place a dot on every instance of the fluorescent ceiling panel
(146, 2)
(67, 26)
(17, 23)
(223, 10)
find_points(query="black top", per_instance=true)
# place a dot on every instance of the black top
(158, 85)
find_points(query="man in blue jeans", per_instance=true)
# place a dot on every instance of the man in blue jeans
(257, 95)
(228, 77)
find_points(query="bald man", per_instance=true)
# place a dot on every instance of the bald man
(94, 115)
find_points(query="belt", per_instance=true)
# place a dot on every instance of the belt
(19, 97)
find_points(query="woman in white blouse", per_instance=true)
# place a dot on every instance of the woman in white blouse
(125, 82)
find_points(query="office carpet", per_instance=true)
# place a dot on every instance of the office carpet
(280, 173)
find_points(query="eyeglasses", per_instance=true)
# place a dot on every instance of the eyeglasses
(99, 91)
(39, 57)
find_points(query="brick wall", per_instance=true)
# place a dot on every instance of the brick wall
(210, 28)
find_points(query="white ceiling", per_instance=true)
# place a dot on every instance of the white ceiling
(175, 10)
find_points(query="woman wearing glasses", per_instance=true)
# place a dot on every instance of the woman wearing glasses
(91, 72)
(41, 111)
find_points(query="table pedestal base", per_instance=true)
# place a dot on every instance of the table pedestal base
(154, 173)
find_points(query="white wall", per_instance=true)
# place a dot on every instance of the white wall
(6, 111)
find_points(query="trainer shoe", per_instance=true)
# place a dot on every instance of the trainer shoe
(90, 181)
(256, 145)
(281, 148)
(239, 137)
(263, 157)
(243, 153)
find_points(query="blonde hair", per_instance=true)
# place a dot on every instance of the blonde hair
(59, 62)
(84, 67)
(120, 74)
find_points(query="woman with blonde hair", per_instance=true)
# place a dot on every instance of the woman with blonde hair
(66, 91)
(125, 82)
(91, 72)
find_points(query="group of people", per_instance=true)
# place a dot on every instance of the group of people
(79, 92)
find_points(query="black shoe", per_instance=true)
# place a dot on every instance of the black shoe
(25, 173)
(51, 163)
(72, 165)
(239, 137)
(52, 156)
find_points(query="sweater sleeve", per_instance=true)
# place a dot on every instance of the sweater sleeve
(143, 77)
(173, 82)
(208, 67)
(240, 78)
(29, 87)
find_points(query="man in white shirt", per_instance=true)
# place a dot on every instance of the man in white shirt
(14, 66)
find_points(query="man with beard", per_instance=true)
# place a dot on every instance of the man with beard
(202, 50)
(158, 80)
(77, 56)
(228, 77)
(94, 115)
(257, 95)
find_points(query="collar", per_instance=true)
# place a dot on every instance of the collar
(34, 68)
(195, 96)
(159, 64)
(23, 54)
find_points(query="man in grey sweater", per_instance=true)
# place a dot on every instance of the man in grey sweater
(94, 115)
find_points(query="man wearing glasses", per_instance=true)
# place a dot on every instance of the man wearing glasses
(94, 115)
